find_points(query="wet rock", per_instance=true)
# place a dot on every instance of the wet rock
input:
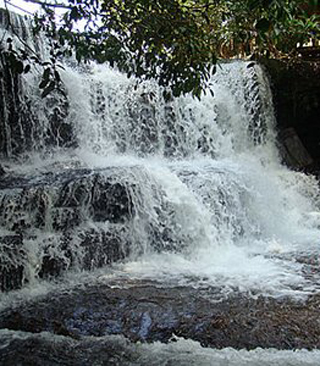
(52, 267)
(85, 249)
(45, 349)
(26, 124)
(107, 199)
(101, 247)
(22, 209)
(145, 312)
(72, 219)
(12, 123)
(292, 150)
(65, 218)
(111, 202)
(56, 257)
(59, 132)
(12, 257)
(296, 94)
(63, 202)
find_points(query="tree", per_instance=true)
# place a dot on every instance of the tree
(267, 27)
(176, 42)
(161, 39)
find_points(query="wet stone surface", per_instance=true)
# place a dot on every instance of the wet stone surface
(147, 313)
(11, 269)
(56, 217)
(82, 219)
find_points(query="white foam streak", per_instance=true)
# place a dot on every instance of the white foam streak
(187, 352)
(178, 351)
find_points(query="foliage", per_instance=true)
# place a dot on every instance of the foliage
(268, 27)
(160, 39)
(176, 42)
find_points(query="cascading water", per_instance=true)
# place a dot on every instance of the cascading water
(184, 192)
(192, 187)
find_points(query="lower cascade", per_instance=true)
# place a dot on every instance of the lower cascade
(113, 199)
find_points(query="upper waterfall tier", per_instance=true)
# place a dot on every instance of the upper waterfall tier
(115, 115)
(104, 112)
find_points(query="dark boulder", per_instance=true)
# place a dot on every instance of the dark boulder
(62, 202)
(83, 249)
(146, 312)
(106, 198)
(292, 150)
(296, 94)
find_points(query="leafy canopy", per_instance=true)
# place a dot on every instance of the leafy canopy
(266, 27)
(176, 42)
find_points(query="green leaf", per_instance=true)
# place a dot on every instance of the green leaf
(74, 14)
(19, 67)
(167, 95)
(263, 25)
(44, 83)
(267, 3)
(48, 89)
(46, 73)
(27, 69)
(253, 4)
(57, 76)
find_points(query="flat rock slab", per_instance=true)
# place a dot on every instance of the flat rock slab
(145, 312)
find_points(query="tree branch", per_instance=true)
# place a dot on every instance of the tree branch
(50, 5)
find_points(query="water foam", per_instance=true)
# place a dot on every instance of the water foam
(211, 200)
(179, 352)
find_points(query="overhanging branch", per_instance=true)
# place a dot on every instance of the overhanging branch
(49, 4)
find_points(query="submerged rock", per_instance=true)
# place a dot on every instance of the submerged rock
(49, 350)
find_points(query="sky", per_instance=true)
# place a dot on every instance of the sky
(25, 8)
(16, 4)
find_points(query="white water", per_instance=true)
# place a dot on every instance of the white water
(205, 176)
(233, 208)
(208, 175)
(179, 352)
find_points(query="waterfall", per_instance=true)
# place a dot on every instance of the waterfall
(126, 219)
(186, 190)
